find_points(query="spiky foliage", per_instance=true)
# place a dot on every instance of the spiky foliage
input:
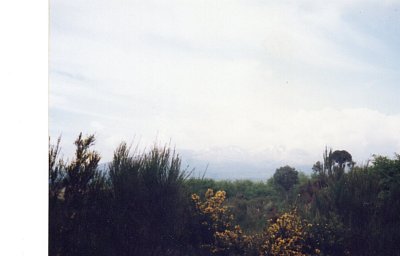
(75, 189)
(150, 204)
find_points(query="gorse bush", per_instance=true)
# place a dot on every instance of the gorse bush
(288, 235)
(218, 234)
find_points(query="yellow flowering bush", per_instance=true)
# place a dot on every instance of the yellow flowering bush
(220, 236)
(287, 236)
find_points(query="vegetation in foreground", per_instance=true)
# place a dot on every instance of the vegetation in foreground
(145, 204)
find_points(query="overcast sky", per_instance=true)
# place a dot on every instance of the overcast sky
(253, 81)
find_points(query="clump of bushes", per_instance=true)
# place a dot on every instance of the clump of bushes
(139, 206)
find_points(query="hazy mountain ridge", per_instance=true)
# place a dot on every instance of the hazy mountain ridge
(230, 163)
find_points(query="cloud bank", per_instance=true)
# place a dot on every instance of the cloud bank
(246, 81)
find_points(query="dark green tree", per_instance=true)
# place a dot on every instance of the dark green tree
(75, 190)
(285, 178)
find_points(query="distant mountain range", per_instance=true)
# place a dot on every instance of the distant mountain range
(229, 170)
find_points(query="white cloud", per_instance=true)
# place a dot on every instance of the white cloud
(278, 80)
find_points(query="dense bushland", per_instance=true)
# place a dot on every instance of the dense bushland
(145, 204)
(139, 207)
